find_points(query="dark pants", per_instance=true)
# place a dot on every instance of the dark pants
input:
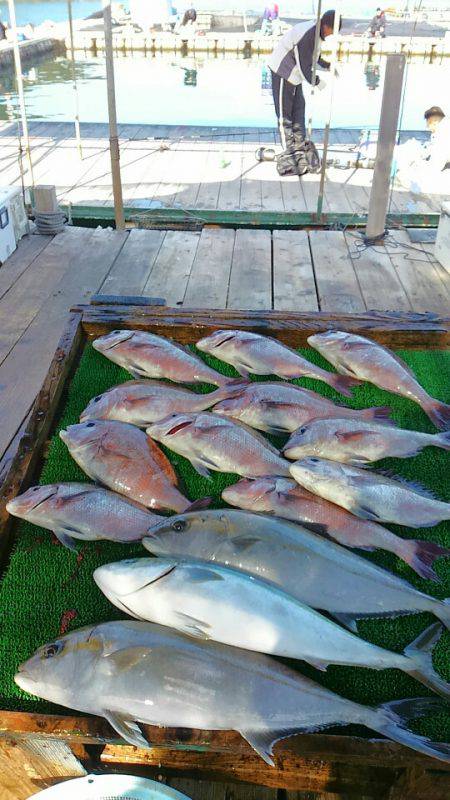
(289, 102)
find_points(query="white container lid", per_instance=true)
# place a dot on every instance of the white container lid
(109, 787)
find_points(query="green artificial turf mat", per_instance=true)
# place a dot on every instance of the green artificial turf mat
(44, 580)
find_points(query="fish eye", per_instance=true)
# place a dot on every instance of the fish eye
(314, 460)
(179, 525)
(96, 399)
(302, 430)
(35, 488)
(90, 424)
(52, 649)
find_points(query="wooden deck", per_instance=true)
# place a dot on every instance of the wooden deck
(194, 168)
(217, 268)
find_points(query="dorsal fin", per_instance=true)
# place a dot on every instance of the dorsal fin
(415, 486)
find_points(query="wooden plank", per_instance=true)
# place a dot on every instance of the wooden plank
(379, 282)
(426, 284)
(24, 369)
(211, 177)
(134, 263)
(393, 329)
(208, 790)
(294, 287)
(172, 267)
(337, 285)
(37, 765)
(293, 197)
(27, 251)
(210, 274)
(251, 194)
(251, 271)
(230, 186)
(19, 306)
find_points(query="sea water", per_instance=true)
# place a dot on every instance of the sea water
(213, 92)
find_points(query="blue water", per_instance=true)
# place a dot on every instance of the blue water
(37, 11)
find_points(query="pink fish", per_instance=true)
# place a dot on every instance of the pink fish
(360, 358)
(211, 442)
(123, 458)
(283, 408)
(145, 355)
(287, 499)
(143, 402)
(260, 355)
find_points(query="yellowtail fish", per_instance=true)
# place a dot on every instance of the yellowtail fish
(212, 442)
(360, 358)
(143, 402)
(145, 355)
(209, 601)
(282, 408)
(134, 672)
(252, 353)
(371, 495)
(359, 442)
(123, 458)
(83, 511)
(311, 568)
(288, 499)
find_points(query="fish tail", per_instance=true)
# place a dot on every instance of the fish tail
(198, 505)
(421, 555)
(379, 413)
(420, 653)
(342, 384)
(391, 719)
(442, 610)
(226, 392)
(442, 440)
(438, 412)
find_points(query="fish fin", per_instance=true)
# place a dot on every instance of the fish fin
(351, 436)
(439, 413)
(315, 527)
(199, 504)
(136, 371)
(65, 538)
(322, 666)
(421, 554)
(201, 574)
(343, 384)
(245, 542)
(442, 440)
(193, 626)
(127, 658)
(202, 470)
(415, 486)
(420, 653)
(379, 413)
(391, 718)
(162, 461)
(127, 729)
(347, 620)
(263, 742)
(365, 513)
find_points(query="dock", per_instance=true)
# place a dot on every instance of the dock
(292, 270)
(193, 169)
(30, 50)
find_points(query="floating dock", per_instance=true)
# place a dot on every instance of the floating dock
(30, 50)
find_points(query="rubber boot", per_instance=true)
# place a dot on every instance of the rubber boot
(286, 162)
(299, 149)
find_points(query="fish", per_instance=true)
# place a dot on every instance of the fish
(365, 360)
(124, 459)
(280, 408)
(143, 402)
(146, 355)
(209, 601)
(314, 570)
(251, 353)
(133, 673)
(223, 445)
(83, 511)
(371, 495)
(286, 498)
(359, 442)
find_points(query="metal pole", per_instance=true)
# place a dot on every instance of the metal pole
(314, 64)
(387, 132)
(326, 136)
(74, 81)
(112, 116)
(20, 92)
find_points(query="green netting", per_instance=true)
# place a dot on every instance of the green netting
(44, 580)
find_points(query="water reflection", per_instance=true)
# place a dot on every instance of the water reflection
(233, 92)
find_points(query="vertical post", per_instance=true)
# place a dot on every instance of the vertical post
(326, 135)
(387, 132)
(112, 116)
(314, 63)
(74, 80)
(20, 92)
